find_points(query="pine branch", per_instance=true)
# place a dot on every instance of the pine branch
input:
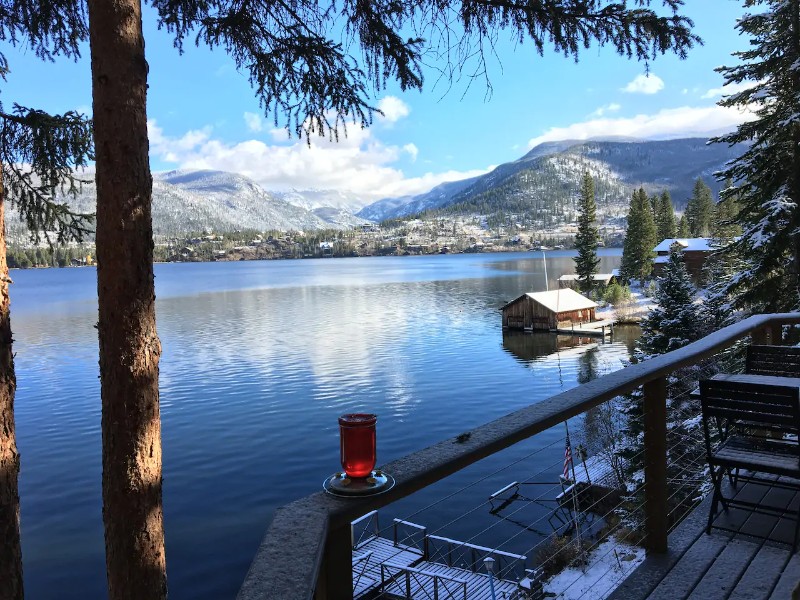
(40, 154)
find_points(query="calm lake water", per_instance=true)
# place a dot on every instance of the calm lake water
(259, 360)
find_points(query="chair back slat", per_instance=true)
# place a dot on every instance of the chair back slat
(748, 404)
(781, 361)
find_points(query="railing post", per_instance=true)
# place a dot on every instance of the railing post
(336, 576)
(655, 464)
(760, 336)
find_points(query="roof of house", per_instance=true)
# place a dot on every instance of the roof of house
(562, 300)
(690, 244)
(595, 277)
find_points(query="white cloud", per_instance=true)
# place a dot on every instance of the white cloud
(412, 151)
(645, 84)
(727, 90)
(666, 123)
(613, 107)
(393, 109)
(253, 121)
(358, 163)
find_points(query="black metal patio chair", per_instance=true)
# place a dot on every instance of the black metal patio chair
(753, 430)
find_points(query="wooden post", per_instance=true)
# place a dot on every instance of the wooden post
(336, 577)
(760, 336)
(775, 334)
(655, 465)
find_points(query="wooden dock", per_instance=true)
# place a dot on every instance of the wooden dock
(421, 566)
(595, 328)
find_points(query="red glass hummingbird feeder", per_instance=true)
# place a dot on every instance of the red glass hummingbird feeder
(358, 454)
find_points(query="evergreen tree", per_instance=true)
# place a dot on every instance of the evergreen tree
(640, 239)
(683, 227)
(766, 178)
(699, 210)
(587, 239)
(665, 218)
(676, 320)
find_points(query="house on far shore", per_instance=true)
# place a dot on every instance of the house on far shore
(548, 310)
(571, 281)
(695, 251)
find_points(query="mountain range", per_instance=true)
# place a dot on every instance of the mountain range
(547, 179)
(542, 186)
(187, 202)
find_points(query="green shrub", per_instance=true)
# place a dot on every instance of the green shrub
(616, 293)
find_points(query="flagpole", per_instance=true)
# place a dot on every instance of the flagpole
(575, 499)
(544, 261)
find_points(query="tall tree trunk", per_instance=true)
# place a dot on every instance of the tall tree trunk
(10, 550)
(129, 345)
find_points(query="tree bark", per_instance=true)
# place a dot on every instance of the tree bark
(129, 345)
(10, 549)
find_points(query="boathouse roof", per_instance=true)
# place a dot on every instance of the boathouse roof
(688, 244)
(559, 301)
(602, 277)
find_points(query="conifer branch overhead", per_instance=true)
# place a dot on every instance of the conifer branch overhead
(39, 154)
(315, 66)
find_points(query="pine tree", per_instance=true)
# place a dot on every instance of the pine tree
(665, 218)
(640, 239)
(766, 177)
(683, 227)
(587, 239)
(699, 210)
(676, 320)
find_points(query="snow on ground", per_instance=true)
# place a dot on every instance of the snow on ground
(608, 565)
(633, 310)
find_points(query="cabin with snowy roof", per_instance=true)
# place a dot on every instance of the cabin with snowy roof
(548, 310)
(695, 252)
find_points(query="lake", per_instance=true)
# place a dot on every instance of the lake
(260, 358)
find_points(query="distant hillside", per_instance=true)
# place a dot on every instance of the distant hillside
(191, 201)
(544, 183)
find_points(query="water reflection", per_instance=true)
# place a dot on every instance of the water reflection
(530, 347)
(259, 360)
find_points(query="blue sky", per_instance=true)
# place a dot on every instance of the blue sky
(203, 114)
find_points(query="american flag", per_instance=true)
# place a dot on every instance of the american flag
(567, 458)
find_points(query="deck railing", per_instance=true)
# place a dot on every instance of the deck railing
(307, 551)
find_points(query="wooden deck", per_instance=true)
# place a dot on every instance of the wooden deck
(594, 328)
(752, 562)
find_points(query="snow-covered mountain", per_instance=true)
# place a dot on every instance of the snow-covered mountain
(311, 199)
(190, 201)
(547, 178)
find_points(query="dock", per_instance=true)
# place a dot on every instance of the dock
(417, 565)
(593, 328)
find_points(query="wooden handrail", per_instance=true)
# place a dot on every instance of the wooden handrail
(305, 536)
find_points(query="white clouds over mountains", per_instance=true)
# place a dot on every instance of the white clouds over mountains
(359, 162)
(668, 123)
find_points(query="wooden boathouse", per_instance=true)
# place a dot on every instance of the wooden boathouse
(548, 310)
